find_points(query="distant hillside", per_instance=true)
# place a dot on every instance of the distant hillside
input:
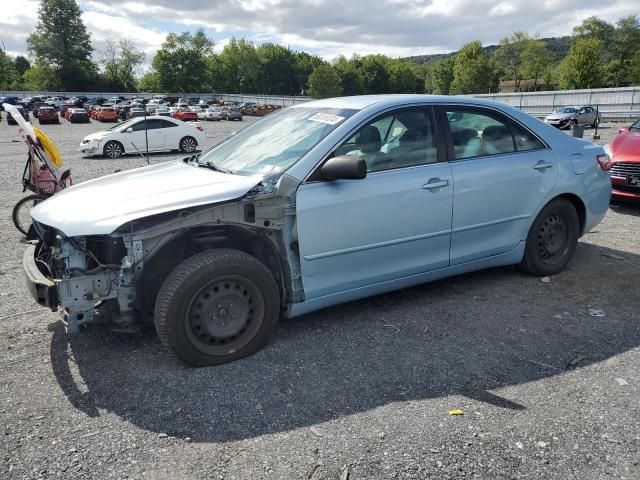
(558, 45)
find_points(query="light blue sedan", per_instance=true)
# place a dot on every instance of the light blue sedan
(321, 203)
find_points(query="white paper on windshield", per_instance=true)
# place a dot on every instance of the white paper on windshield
(326, 118)
(270, 169)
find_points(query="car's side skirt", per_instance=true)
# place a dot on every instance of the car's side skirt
(508, 258)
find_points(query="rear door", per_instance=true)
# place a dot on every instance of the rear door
(502, 174)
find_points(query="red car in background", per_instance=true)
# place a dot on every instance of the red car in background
(624, 151)
(66, 106)
(185, 115)
(47, 115)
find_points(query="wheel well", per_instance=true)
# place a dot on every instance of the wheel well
(580, 208)
(195, 240)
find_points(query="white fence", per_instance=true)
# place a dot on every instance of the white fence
(613, 103)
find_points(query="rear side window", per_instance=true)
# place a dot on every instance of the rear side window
(525, 140)
(477, 132)
(166, 124)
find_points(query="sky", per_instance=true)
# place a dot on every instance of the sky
(328, 28)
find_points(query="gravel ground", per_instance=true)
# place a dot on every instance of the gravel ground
(356, 391)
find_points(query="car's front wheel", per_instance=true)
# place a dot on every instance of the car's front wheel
(552, 239)
(113, 149)
(217, 306)
(188, 144)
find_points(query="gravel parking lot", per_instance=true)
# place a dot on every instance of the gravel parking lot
(356, 391)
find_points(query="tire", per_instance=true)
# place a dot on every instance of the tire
(113, 149)
(20, 215)
(188, 145)
(552, 239)
(217, 306)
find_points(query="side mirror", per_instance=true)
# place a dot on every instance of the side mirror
(345, 167)
(129, 130)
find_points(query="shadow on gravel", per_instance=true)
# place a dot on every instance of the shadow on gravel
(462, 336)
(628, 207)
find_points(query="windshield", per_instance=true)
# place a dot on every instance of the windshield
(568, 110)
(635, 127)
(276, 142)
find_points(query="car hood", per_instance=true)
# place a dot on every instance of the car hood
(559, 116)
(100, 206)
(98, 135)
(626, 147)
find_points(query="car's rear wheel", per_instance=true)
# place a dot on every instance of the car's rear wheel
(113, 149)
(552, 239)
(188, 144)
(217, 306)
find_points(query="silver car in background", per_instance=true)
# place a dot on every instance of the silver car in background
(210, 114)
(232, 113)
(565, 117)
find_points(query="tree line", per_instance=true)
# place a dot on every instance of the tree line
(62, 58)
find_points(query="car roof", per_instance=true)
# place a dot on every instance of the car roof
(361, 102)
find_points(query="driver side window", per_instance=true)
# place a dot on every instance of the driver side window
(404, 138)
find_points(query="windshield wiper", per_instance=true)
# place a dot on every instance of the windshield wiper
(215, 167)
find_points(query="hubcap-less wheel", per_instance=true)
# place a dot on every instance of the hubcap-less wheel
(188, 145)
(112, 150)
(220, 317)
(552, 239)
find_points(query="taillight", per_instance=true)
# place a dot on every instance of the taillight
(200, 128)
(604, 161)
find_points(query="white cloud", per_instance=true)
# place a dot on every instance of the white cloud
(326, 27)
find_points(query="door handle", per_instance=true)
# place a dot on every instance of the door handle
(542, 165)
(435, 183)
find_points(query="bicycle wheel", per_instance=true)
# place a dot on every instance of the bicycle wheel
(22, 211)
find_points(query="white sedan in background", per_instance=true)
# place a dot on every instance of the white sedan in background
(163, 133)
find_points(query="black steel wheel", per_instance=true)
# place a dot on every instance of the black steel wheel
(552, 239)
(113, 149)
(188, 144)
(217, 306)
(21, 214)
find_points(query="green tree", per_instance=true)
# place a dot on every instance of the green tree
(305, 64)
(181, 62)
(277, 65)
(61, 43)
(8, 74)
(149, 82)
(509, 57)
(21, 65)
(350, 72)
(634, 69)
(626, 42)
(240, 66)
(40, 77)
(582, 68)
(402, 76)
(324, 82)
(536, 59)
(375, 75)
(120, 61)
(472, 72)
(442, 76)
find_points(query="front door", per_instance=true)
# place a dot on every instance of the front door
(502, 174)
(394, 223)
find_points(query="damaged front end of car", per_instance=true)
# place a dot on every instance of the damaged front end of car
(115, 277)
(77, 274)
